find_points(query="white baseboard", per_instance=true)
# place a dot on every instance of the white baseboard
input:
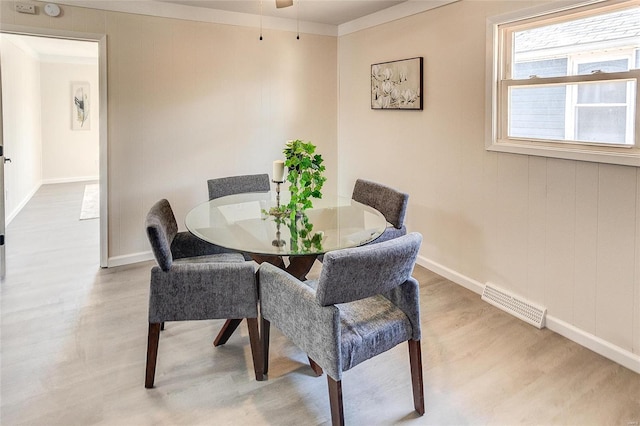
(596, 344)
(450, 274)
(129, 259)
(71, 179)
(14, 213)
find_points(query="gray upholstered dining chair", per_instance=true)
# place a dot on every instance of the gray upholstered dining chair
(230, 185)
(388, 201)
(364, 302)
(184, 288)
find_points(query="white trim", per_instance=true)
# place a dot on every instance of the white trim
(69, 179)
(20, 206)
(129, 259)
(608, 350)
(203, 14)
(103, 154)
(451, 275)
(402, 10)
(495, 118)
(103, 127)
(596, 344)
(567, 154)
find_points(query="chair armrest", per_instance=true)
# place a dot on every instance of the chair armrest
(407, 297)
(291, 306)
(197, 291)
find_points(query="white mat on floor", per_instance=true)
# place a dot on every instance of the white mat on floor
(90, 202)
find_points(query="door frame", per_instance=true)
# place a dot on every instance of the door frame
(101, 39)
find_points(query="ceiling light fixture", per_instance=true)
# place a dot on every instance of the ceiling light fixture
(283, 3)
(260, 19)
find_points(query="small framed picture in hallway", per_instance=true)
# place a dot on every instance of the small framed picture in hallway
(80, 106)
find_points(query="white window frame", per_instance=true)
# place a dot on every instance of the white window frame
(498, 87)
(573, 62)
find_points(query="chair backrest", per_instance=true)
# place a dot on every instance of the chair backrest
(230, 185)
(161, 230)
(360, 272)
(388, 201)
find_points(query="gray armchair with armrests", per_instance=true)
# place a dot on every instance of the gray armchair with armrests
(365, 302)
(204, 287)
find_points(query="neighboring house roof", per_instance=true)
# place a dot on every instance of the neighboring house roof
(620, 25)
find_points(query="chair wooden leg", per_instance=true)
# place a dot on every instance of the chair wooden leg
(315, 367)
(152, 353)
(335, 400)
(162, 325)
(226, 331)
(415, 359)
(256, 352)
(264, 337)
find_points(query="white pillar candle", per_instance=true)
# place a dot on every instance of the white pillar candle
(278, 171)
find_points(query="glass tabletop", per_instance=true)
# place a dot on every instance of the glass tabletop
(240, 222)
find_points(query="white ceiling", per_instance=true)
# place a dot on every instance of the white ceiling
(332, 12)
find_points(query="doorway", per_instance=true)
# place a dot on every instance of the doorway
(54, 118)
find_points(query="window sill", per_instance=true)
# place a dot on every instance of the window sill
(628, 157)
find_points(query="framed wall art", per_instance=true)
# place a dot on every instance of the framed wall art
(397, 84)
(80, 106)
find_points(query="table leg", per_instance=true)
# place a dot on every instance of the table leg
(274, 260)
(299, 267)
(227, 330)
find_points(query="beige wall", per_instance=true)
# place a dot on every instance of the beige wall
(564, 234)
(22, 124)
(188, 101)
(67, 155)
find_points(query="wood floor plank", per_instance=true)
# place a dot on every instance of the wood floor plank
(73, 350)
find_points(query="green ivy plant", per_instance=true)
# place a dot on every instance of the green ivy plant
(305, 175)
(305, 179)
(303, 239)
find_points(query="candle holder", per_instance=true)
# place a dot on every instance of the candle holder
(277, 191)
(278, 242)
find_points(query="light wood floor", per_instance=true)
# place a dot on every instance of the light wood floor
(73, 349)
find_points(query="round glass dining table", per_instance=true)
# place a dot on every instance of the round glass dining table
(241, 222)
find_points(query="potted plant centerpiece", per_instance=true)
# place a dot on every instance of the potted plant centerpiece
(306, 178)
(305, 175)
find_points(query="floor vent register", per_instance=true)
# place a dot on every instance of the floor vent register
(520, 308)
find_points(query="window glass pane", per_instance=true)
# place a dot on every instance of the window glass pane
(537, 112)
(603, 93)
(544, 68)
(547, 112)
(618, 65)
(601, 124)
(611, 31)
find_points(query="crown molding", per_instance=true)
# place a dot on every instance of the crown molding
(399, 11)
(201, 14)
